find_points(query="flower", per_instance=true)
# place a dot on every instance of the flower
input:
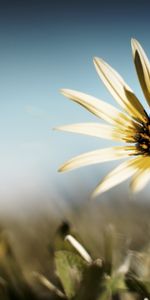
(132, 125)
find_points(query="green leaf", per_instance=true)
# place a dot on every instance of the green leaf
(116, 283)
(69, 268)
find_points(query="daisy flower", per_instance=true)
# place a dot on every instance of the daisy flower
(131, 125)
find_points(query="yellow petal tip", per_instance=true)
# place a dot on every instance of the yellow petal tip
(60, 170)
(95, 193)
(58, 128)
(133, 40)
(64, 91)
(134, 44)
(63, 168)
(97, 60)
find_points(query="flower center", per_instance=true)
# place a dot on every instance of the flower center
(142, 139)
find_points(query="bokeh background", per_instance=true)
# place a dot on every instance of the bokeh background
(44, 46)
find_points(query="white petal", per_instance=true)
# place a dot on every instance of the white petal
(120, 90)
(49, 285)
(118, 175)
(95, 129)
(142, 65)
(98, 156)
(81, 250)
(141, 178)
(99, 108)
(124, 268)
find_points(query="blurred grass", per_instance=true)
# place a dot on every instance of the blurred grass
(116, 232)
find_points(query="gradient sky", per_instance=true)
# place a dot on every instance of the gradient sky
(44, 46)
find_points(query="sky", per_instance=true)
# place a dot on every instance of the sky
(49, 45)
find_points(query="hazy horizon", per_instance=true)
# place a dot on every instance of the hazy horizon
(46, 46)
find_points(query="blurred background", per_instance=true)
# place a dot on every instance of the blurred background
(44, 46)
(47, 45)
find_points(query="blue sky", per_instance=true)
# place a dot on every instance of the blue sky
(46, 46)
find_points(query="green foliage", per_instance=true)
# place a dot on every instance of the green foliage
(81, 280)
(116, 273)
(70, 268)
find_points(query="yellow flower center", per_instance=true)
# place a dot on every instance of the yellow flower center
(142, 139)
